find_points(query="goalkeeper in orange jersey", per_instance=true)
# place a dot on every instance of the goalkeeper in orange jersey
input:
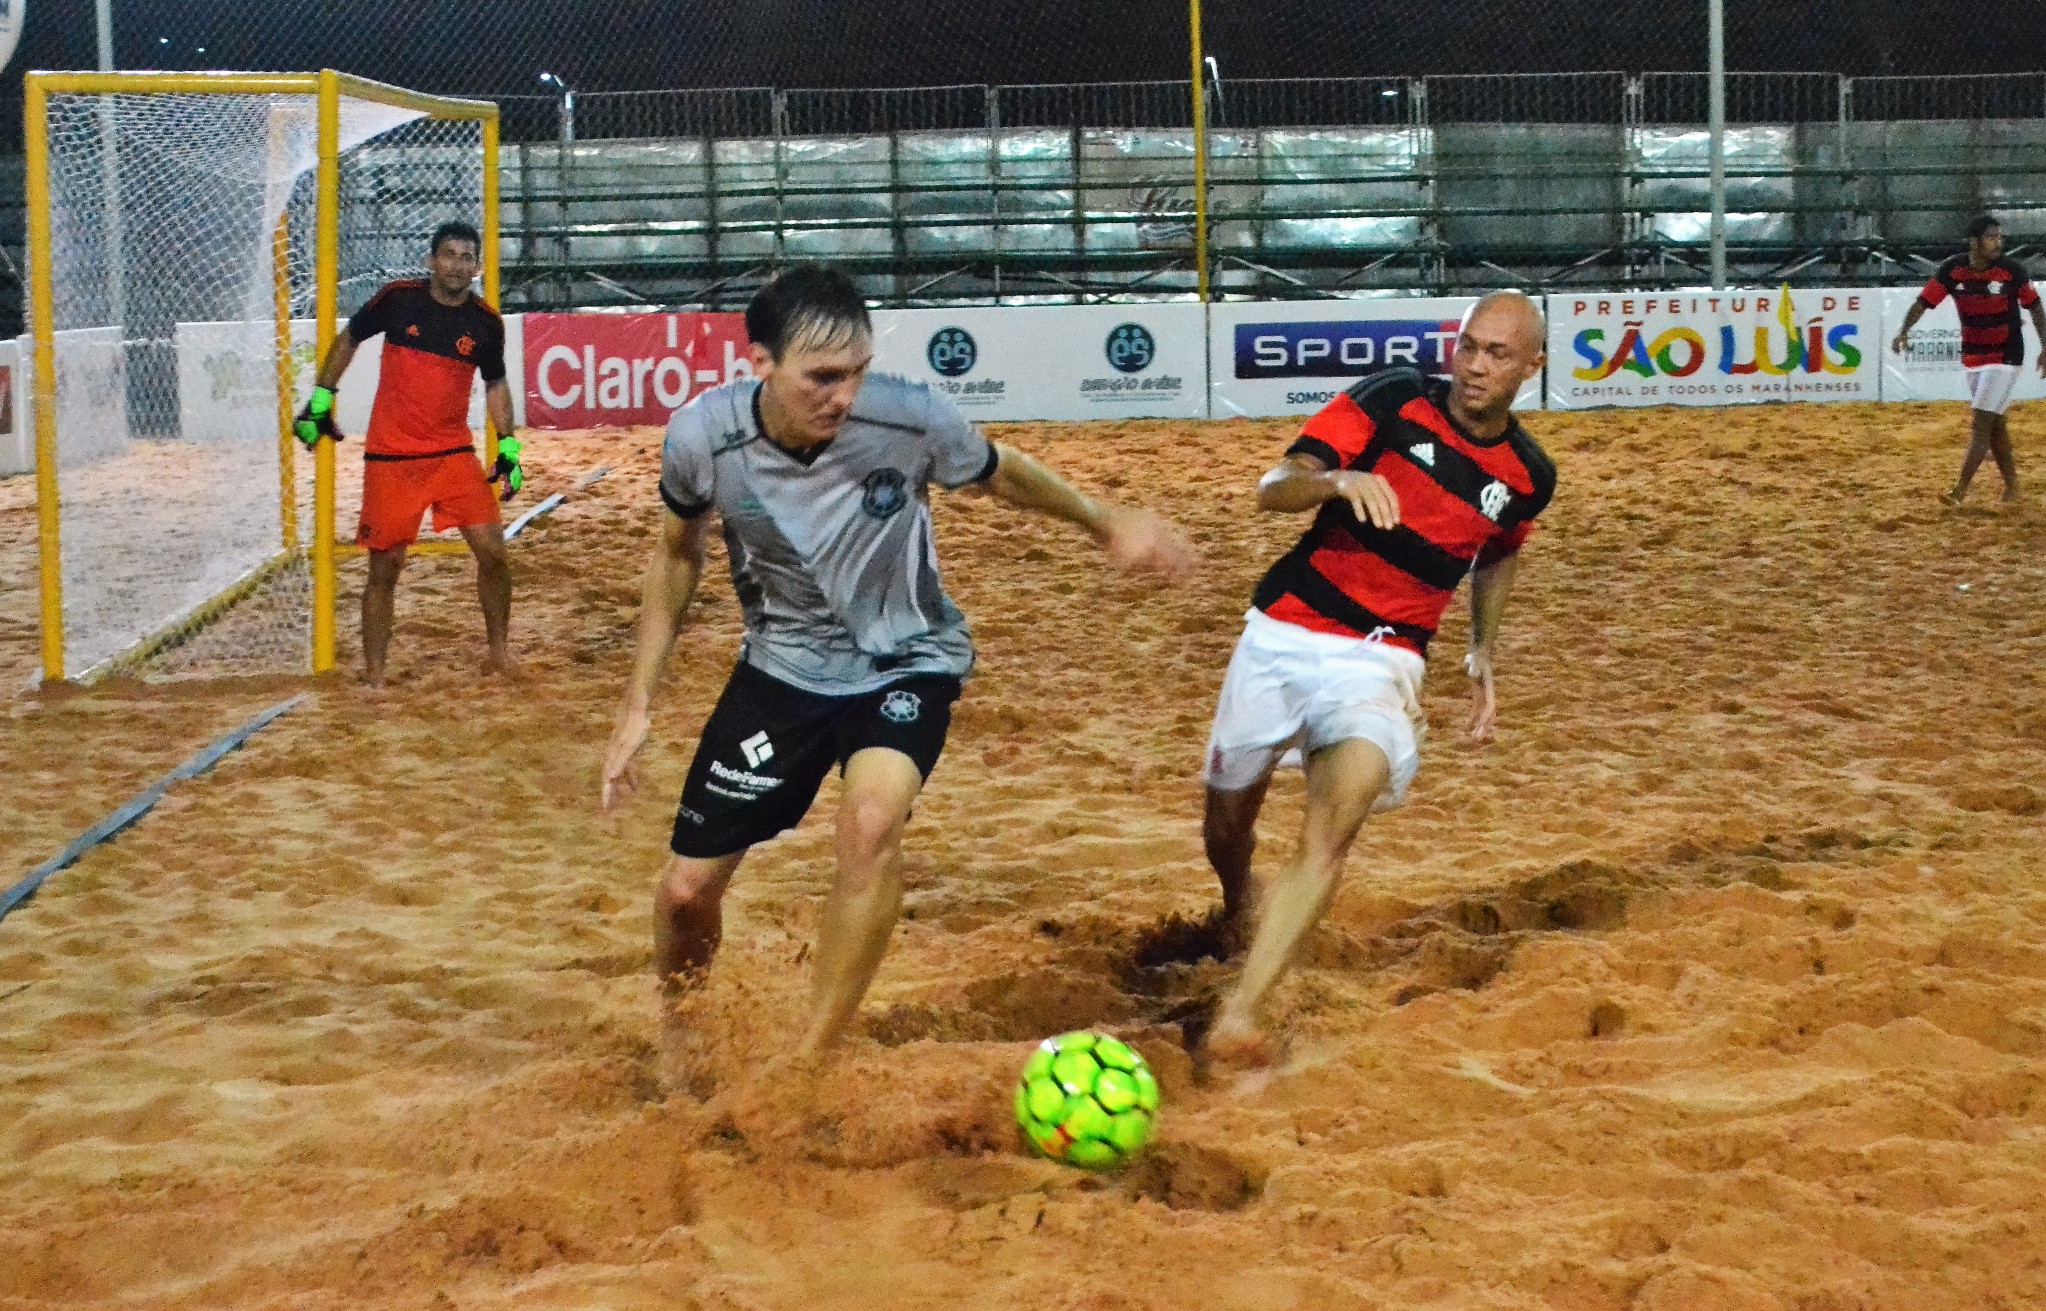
(418, 454)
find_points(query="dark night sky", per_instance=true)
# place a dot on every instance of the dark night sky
(499, 45)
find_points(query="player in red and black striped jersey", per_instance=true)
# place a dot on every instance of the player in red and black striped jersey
(1415, 485)
(1987, 288)
(418, 454)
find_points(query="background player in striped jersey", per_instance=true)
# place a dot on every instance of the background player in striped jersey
(1415, 484)
(819, 473)
(418, 453)
(1987, 287)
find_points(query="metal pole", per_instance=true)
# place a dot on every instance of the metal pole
(326, 309)
(110, 174)
(1716, 66)
(493, 255)
(1200, 129)
(43, 374)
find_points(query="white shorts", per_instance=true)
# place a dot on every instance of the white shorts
(1289, 686)
(1990, 386)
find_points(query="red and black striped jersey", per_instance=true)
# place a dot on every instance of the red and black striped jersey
(1987, 301)
(1463, 502)
(432, 353)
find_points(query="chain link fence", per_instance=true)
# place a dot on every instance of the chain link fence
(1053, 154)
(1316, 185)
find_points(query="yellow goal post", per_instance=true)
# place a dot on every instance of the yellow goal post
(194, 240)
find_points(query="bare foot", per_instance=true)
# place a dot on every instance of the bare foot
(501, 662)
(1238, 1043)
(2012, 496)
(1951, 498)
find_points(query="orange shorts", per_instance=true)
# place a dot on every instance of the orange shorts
(396, 494)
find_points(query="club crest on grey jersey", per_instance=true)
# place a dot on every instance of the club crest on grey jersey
(833, 561)
(884, 491)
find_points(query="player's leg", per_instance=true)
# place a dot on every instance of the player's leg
(1256, 716)
(689, 919)
(1344, 782)
(759, 761)
(1229, 833)
(394, 497)
(889, 740)
(1981, 435)
(493, 589)
(2006, 458)
(881, 784)
(379, 606)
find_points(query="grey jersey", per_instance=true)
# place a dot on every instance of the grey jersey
(833, 561)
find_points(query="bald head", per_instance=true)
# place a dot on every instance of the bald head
(1498, 350)
(1514, 312)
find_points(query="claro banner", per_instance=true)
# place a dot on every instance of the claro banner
(1294, 357)
(1930, 367)
(1061, 362)
(1714, 348)
(612, 370)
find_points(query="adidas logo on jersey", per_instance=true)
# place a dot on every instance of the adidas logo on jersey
(1425, 453)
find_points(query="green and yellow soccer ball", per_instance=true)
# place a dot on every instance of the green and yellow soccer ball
(1088, 1100)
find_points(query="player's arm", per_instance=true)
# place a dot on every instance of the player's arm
(670, 584)
(509, 468)
(339, 356)
(1911, 317)
(316, 419)
(2038, 313)
(1491, 581)
(497, 403)
(1303, 482)
(1135, 540)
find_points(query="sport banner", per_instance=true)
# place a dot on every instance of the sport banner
(596, 370)
(1930, 367)
(1293, 357)
(1059, 362)
(1714, 347)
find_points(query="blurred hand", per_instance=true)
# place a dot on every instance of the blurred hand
(1900, 341)
(1484, 700)
(1371, 497)
(1140, 542)
(621, 767)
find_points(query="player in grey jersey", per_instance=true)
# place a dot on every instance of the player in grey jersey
(820, 474)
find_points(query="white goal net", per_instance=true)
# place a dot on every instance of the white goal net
(184, 275)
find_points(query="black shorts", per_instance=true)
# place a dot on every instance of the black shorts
(768, 745)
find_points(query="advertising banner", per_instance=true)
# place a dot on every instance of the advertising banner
(1714, 347)
(1293, 357)
(227, 380)
(1930, 367)
(1057, 362)
(17, 441)
(611, 370)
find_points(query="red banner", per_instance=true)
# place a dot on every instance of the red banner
(611, 370)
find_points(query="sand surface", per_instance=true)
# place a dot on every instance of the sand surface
(1716, 984)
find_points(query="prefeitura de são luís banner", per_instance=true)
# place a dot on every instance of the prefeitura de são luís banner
(1714, 347)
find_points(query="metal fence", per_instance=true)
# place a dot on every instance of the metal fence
(1316, 186)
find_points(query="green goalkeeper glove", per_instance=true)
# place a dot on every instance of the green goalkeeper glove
(316, 420)
(508, 467)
